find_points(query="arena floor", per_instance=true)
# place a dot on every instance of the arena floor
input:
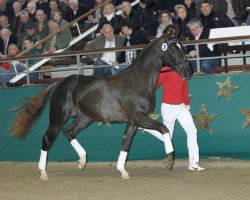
(223, 179)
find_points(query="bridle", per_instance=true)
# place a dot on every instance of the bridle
(174, 67)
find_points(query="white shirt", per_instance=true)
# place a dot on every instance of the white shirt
(109, 57)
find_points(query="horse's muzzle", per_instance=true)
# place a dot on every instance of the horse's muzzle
(185, 70)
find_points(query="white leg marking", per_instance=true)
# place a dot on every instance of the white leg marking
(81, 153)
(42, 165)
(121, 164)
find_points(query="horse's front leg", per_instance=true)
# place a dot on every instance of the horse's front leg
(146, 122)
(126, 143)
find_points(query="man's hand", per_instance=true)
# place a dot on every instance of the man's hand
(192, 54)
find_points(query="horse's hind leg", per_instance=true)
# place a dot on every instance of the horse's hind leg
(70, 132)
(58, 117)
(126, 143)
(48, 140)
(144, 121)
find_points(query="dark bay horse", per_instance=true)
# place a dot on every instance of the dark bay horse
(128, 97)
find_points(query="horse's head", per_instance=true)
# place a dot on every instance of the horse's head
(172, 54)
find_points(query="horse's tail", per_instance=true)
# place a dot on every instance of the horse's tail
(30, 112)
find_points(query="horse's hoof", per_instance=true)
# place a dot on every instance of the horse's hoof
(44, 177)
(81, 163)
(168, 165)
(81, 166)
(125, 176)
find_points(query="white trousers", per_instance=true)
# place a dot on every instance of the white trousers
(171, 113)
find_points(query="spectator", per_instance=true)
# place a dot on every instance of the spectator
(128, 11)
(107, 40)
(109, 17)
(5, 66)
(30, 33)
(166, 19)
(182, 21)
(24, 18)
(234, 9)
(17, 66)
(41, 25)
(59, 41)
(54, 6)
(211, 19)
(191, 8)
(200, 32)
(6, 40)
(73, 12)
(133, 37)
(31, 8)
(4, 23)
(43, 5)
(6, 9)
(145, 18)
(15, 18)
(58, 18)
(97, 15)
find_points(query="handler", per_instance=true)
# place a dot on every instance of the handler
(176, 106)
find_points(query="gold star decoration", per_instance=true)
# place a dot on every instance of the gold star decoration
(203, 119)
(226, 89)
(246, 113)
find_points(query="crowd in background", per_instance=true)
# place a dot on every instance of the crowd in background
(33, 20)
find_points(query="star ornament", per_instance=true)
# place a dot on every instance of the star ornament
(246, 113)
(203, 119)
(226, 89)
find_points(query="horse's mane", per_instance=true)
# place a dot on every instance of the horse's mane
(141, 54)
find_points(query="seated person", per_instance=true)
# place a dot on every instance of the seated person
(165, 20)
(59, 41)
(198, 31)
(18, 66)
(133, 37)
(107, 40)
(109, 17)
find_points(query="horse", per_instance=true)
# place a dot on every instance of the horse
(127, 97)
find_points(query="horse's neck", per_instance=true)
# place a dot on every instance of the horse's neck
(147, 73)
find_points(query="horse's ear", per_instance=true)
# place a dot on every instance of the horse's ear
(171, 31)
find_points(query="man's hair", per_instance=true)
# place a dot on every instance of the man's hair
(194, 22)
(29, 39)
(105, 26)
(129, 23)
(206, 1)
(179, 6)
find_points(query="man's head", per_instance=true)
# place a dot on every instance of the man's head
(4, 21)
(53, 26)
(127, 27)
(53, 4)
(28, 43)
(206, 7)
(40, 16)
(30, 28)
(17, 7)
(126, 7)
(108, 32)
(5, 34)
(24, 16)
(73, 4)
(195, 26)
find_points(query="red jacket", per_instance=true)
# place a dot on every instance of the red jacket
(175, 89)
